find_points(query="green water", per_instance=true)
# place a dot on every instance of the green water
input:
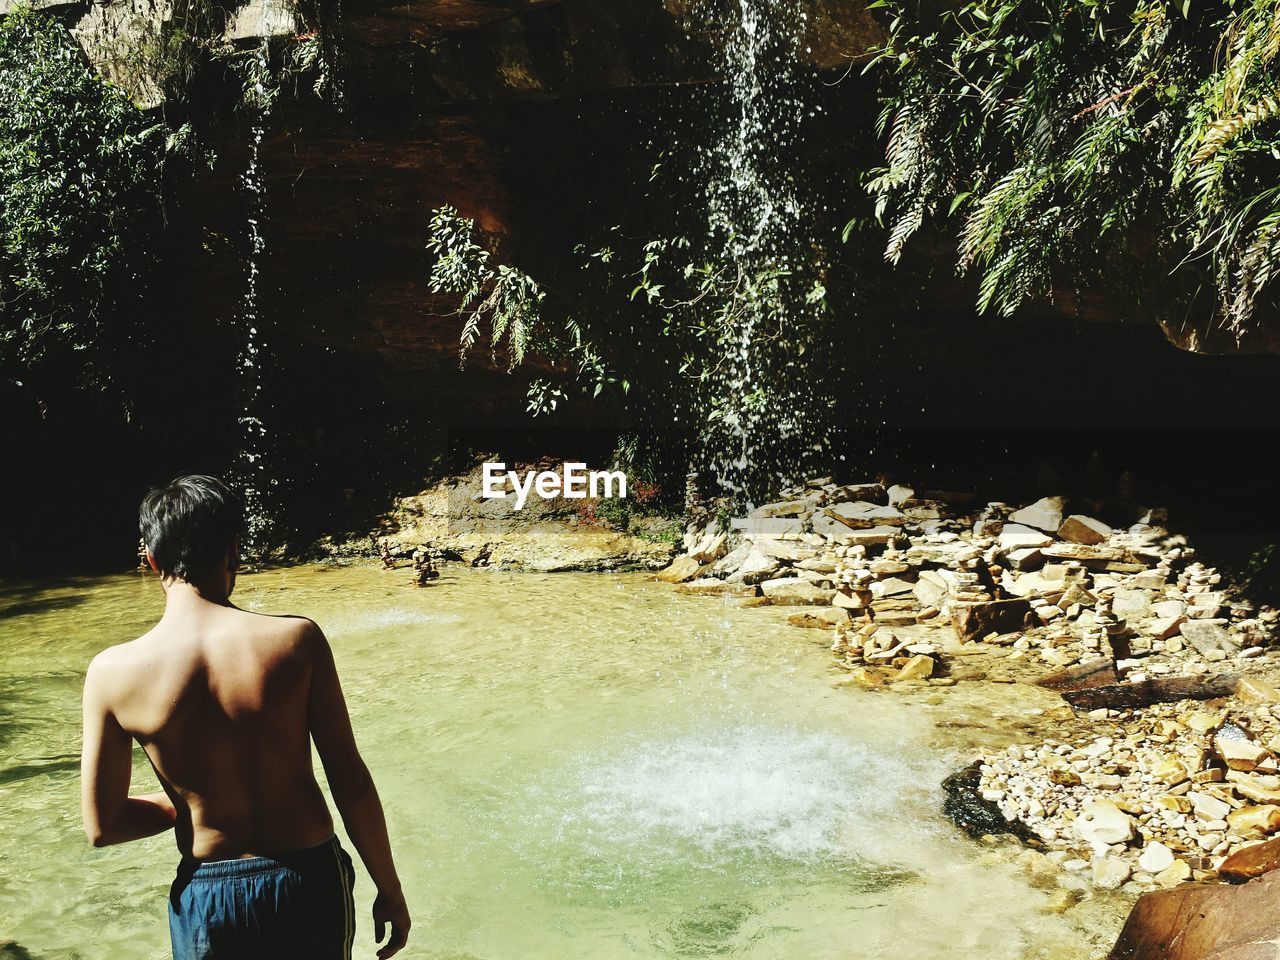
(573, 766)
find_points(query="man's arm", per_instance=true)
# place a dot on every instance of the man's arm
(353, 791)
(106, 765)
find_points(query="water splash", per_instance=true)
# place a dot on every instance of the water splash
(250, 470)
(752, 788)
(765, 402)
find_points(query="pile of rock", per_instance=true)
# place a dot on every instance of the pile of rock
(426, 560)
(875, 656)
(1170, 794)
(1040, 582)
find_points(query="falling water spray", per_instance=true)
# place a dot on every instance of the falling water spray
(250, 470)
(765, 405)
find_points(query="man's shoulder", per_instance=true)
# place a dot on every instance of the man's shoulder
(286, 628)
(119, 655)
(115, 665)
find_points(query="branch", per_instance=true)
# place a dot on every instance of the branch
(1109, 100)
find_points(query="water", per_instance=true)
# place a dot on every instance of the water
(765, 400)
(250, 473)
(573, 766)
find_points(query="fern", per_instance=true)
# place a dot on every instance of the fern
(1066, 136)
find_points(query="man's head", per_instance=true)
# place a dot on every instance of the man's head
(192, 528)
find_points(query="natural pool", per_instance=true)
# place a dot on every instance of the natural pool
(573, 766)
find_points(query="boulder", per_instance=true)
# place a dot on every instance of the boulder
(756, 568)
(921, 509)
(1206, 635)
(783, 508)
(1252, 861)
(1076, 593)
(1252, 789)
(1032, 584)
(1078, 528)
(1263, 818)
(768, 526)
(830, 528)
(870, 492)
(919, 667)
(886, 567)
(862, 515)
(1130, 604)
(848, 600)
(1101, 823)
(972, 621)
(1026, 558)
(792, 590)
(891, 587)
(898, 493)
(1168, 608)
(1045, 514)
(873, 536)
(1015, 536)
(822, 618)
(931, 589)
(1149, 580)
(682, 568)
(1155, 857)
(788, 551)
(1114, 559)
(817, 565)
(711, 547)
(1170, 771)
(1174, 874)
(1253, 690)
(1204, 922)
(1110, 873)
(1207, 807)
(733, 560)
(1162, 628)
(1239, 753)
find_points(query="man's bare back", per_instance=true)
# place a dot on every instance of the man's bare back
(220, 699)
(227, 704)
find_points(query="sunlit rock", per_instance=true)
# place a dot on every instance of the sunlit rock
(1078, 528)
(1045, 514)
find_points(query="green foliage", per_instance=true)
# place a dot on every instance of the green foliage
(691, 305)
(1069, 138)
(79, 168)
(514, 307)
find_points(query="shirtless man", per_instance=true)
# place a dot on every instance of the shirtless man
(226, 704)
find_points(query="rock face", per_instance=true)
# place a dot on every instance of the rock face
(545, 536)
(1204, 922)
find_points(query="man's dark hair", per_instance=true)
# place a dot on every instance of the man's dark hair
(188, 524)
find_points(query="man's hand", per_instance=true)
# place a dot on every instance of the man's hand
(394, 911)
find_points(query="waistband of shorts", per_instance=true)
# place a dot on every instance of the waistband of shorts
(317, 854)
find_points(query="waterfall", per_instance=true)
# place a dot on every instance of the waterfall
(765, 404)
(250, 471)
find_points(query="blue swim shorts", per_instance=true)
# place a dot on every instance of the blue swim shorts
(296, 904)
